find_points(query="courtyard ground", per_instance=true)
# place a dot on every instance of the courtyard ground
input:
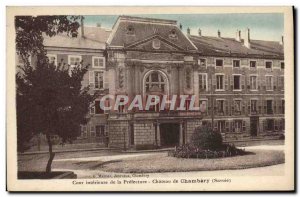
(89, 164)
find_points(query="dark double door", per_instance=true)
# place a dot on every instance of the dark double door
(254, 123)
(169, 134)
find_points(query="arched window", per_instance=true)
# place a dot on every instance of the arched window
(155, 82)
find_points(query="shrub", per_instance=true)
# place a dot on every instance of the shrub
(206, 143)
(207, 139)
(191, 151)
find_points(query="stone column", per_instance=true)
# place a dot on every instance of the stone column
(158, 134)
(181, 133)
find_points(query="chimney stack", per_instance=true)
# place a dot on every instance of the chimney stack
(98, 24)
(199, 32)
(188, 31)
(219, 34)
(82, 26)
(180, 26)
(238, 36)
(282, 40)
(247, 39)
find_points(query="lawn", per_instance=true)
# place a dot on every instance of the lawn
(164, 163)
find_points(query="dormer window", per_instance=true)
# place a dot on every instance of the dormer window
(130, 30)
(156, 44)
(173, 34)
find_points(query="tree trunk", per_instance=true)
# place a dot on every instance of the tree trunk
(51, 154)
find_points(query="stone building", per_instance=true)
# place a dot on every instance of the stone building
(239, 81)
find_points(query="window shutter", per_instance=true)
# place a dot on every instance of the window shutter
(226, 82)
(215, 125)
(214, 80)
(226, 106)
(91, 79)
(106, 80)
(243, 81)
(249, 106)
(227, 126)
(258, 83)
(232, 126)
(231, 82)
(274, 82)
(244, 125)
(209, 84)
(265, 106)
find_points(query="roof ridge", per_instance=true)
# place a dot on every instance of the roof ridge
(147, 19)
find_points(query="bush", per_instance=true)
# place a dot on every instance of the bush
(206, 143)
(191, 151)
(207, 139)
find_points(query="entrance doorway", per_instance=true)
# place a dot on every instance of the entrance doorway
(169, 134)
(254, 120)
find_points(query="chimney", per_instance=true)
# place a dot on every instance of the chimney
(180, 26)
(238, 36)
(247, 39)
(282, 40)
(98, 24)
(199, 32)
(82, 26)
(188, 31)
(219, 34)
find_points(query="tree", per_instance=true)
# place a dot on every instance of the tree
(49, 99)
(30, 31)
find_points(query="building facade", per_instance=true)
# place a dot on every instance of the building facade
(240, 82)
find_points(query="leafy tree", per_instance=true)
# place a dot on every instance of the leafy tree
(31, 29)
(49, 100)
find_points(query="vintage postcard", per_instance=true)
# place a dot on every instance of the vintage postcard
(150, 99)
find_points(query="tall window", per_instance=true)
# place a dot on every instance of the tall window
(221, 126)
(219, 62)
(238, 126)
(100, 130)
(52, 59)
(269, 65)
(269, 83)
(236, 63)
(282, 65)
(253, 106)
(98, 79)
(203, 106)
(73, 61)
(281, 82)
(155, 82)
(220, 106)
(252, 64)
(270, 125)
(98, 62)
(220, 82)
(236, 82)
(202, 82)
(253, 82)
(237, 106)
(269, 107)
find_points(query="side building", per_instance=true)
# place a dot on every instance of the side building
(241, 81)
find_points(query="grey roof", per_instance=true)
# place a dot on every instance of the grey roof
(145, 28)
(94, 38)
(215, 46)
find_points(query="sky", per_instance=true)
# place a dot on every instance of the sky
(262, 26)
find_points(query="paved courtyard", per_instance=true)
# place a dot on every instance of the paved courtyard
(275, 170)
